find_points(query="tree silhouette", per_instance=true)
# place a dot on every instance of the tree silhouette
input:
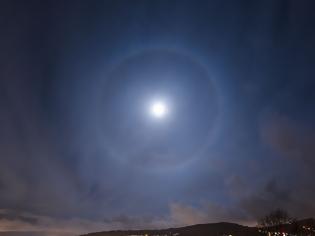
(276, 217)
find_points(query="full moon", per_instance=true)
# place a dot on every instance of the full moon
(158, 109)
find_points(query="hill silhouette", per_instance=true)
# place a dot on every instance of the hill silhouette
(301, 227)
(222, 228)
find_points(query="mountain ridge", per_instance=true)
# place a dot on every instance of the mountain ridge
(215, 229)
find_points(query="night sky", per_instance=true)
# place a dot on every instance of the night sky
(80, 150)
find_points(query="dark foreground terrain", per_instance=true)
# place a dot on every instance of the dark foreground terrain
(302, 227)
(194, 230)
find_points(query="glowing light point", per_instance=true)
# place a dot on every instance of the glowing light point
(158, 109)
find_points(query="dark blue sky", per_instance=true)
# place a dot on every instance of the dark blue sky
(78, 150)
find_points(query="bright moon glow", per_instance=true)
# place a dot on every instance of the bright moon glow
(158, 109)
